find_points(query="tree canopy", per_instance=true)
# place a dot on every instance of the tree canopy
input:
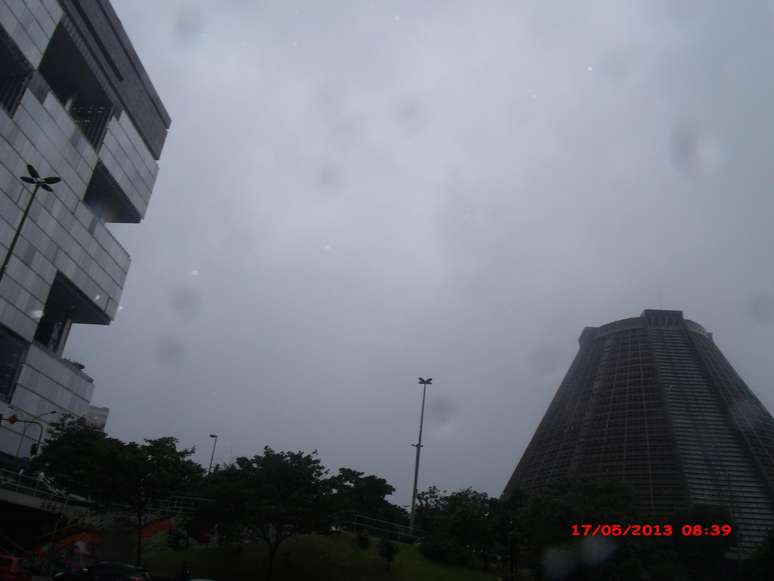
(271, 496)
(115, 475)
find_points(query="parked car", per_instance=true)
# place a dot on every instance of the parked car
(105, 571)
(14, 569)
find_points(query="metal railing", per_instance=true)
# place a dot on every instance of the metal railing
(33, 486)
(382, 528)
(56, 500)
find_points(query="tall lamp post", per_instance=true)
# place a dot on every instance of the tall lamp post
(39, 182)
(24, 431)
(212, 456)
(424, 383)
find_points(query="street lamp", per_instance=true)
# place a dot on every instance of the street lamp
(212, 456)
(424, 383)
(39, 182)
(24, 431)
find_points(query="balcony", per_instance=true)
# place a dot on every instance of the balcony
(76, 86)
(65, 306)
(107, 200)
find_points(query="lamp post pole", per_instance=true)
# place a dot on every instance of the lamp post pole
(424, 383)
(212, 456)
(33, 178)
(24, 431)
(39, 182)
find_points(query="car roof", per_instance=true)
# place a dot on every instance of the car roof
(114, 565)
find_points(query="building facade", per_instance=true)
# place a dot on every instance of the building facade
(97, 417)
(652, 401)
(75, 103)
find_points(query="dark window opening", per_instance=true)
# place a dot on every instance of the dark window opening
(107, 200)
(65, 306)
(12, 350)
(15, 72)
(76, 86)
(54, 328)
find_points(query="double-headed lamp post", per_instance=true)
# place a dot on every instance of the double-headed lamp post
(39, 182)
(424, 383)
(212, 456)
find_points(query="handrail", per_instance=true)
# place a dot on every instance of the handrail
(39, 488)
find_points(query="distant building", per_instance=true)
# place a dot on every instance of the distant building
(76, 103)
(651, 401)
(97, 417)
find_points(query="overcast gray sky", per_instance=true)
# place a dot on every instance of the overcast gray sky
(357, 193)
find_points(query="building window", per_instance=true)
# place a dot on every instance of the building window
(12, 351)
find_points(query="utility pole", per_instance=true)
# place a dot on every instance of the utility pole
(424, 383)
(212, 456)
(13, 419)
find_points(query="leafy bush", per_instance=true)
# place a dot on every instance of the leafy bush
(362, 540)
(438, 548)
(388, 550)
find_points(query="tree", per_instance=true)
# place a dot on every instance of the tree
(546, 520)
(388, 550)
(702, 555)
(353, 492)
(153, 471)
(471, 523)
(508, 526)
(73, 455)
(760, 565)
(457, 526)
(116, 476)
(272, 497)
(549, 514)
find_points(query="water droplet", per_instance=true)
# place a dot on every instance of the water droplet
(186, 301)
(695, 151)
(36, 314)
(169, 349)
(559, 562)
(589, 68)
(97, 297)
(596, 550)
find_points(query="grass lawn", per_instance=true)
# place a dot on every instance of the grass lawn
(308, 558)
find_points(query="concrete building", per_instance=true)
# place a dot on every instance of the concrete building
(652, 401)
(76, 103)
(97, 417)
